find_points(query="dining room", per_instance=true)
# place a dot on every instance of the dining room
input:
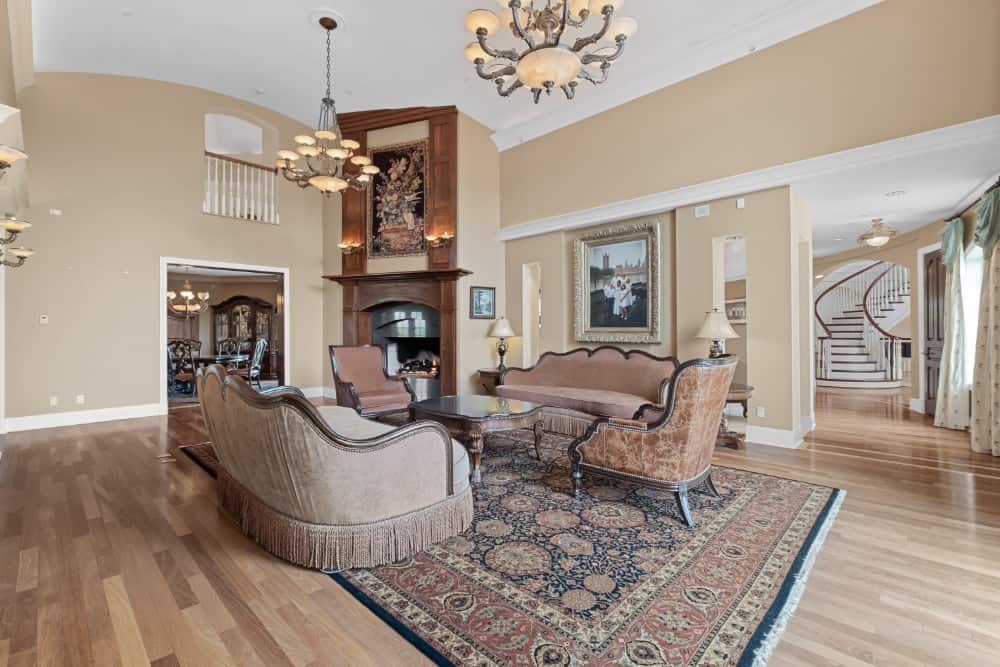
(220, 315)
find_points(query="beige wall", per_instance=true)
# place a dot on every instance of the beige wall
(8, 94)
(333, 293)
(772, 235)
(126, 167)
(554, 252)
(885, 72)
(478, 248)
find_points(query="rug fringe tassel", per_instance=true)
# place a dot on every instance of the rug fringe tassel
(763, 653)
(329, 547)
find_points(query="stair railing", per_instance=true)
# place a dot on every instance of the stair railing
(239, 189)
(888, 289)
(845, 294)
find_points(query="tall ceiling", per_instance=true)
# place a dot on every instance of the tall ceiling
(393, 53)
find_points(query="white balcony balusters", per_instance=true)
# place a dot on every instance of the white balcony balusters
(238, 189)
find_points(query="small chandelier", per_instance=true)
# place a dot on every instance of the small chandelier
(324, 153)
(878, 235)
(8, 156)
(547, 63)
(193, 303)
(11, 227)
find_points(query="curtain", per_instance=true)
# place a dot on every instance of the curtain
(952, 409)
(986, 376)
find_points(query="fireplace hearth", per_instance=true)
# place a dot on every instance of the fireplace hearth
(410, 334)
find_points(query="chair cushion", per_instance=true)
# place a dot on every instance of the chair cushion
(350, 424)
(183, 377)
(592, 401)
(382, 399)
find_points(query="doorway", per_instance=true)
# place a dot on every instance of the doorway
(236, 315)
(531, 314)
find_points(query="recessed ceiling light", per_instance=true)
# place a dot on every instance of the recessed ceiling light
(128, 12)
(895, 193)
(752, 48)
(839, 238)
(259, 91)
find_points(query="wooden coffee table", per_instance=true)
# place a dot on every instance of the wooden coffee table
(470, 418)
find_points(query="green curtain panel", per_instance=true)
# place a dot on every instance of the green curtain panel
(986, 375)
(952, 245)
(988, 222)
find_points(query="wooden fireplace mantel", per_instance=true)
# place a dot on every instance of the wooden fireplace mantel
(436, 288)
(439, 275)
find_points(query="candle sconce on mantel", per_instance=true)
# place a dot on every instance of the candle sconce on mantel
(443, 241)
(349, 248)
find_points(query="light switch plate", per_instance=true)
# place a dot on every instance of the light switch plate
(741, 203)
(760, 411)
(702, 211)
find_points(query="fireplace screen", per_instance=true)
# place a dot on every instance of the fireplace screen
(410, 334)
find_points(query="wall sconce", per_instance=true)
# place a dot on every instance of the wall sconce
(349, 248)
(8, 156)
(443, 241)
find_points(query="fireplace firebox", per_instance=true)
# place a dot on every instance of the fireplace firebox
(410, 334)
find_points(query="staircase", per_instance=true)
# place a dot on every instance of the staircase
(856, 308)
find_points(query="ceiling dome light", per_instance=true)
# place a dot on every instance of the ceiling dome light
(482, 19)
(878, 235)
(895, 193)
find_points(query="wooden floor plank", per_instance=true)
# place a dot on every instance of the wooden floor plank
(110, 557)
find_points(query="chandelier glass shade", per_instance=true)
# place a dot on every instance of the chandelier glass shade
(321, 159)
(190, 304)
(9, 155)
(544, 56)
(12, 227)
(878, 235)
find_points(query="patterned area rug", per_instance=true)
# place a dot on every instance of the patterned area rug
(612, 578)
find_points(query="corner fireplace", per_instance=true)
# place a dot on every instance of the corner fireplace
(410, 334)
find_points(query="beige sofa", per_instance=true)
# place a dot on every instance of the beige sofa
(326, 488)
(579, 386)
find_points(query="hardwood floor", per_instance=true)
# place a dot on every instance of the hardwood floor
(109, 556)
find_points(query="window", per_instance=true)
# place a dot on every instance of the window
(972, 283)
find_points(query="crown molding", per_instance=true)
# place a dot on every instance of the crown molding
(790, 20)
(972, 132)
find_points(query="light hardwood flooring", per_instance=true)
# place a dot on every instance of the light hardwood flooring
(110, 557)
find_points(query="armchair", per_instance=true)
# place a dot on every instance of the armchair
(362, 383)
(673, 449)
(325, 488)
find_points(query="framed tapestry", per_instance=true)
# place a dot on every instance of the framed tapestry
(617, 280)
(483, 303)
(397, 200)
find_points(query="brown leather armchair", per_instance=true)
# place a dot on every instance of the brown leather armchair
(672, 452)
(362, 383)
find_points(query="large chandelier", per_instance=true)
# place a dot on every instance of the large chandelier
(8, 156)
(193, 304)
(878, 235)
(319, 159)
(547, 62)
(11, 227)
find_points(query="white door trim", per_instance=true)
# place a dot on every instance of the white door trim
(213, 264)
(917, 360)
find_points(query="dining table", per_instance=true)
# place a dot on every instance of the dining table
(224, 359)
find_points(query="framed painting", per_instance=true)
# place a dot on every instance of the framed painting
(617, 280)
(397, 199)
(483, 303)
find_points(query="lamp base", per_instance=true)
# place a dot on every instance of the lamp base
(501, 351)
(715, 349)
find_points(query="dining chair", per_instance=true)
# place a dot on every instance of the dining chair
(251, 373)
(180, 366)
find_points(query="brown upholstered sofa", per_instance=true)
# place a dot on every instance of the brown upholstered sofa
(579, 386)
(671, 447)
(326, 488)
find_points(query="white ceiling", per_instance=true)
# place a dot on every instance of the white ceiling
(936, 184)
(393, 53)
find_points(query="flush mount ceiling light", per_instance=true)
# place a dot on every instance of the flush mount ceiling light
(878, 235)
(319, 159)
(550, 60)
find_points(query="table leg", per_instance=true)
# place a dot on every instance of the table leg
(539, 433)
(475, 448)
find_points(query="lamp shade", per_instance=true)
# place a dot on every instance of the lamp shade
(501, 329)
(716, 326)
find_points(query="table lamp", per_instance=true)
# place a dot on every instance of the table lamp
(716, 328)
(501, 329)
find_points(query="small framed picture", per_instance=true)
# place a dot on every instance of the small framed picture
(483, 303)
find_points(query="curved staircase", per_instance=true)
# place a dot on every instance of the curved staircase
(855, 310)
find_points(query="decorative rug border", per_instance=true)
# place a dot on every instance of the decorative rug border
(764, 640)
(198, 462)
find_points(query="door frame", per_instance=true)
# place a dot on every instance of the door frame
(214, 264)
(917, 359)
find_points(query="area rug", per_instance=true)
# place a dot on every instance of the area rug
(614, 577)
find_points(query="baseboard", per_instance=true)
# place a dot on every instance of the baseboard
(77, 417)
(319, 392)
(775, 437)
(808, 424)
(917, 405)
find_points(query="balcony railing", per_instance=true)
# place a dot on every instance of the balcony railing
(239, 189)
